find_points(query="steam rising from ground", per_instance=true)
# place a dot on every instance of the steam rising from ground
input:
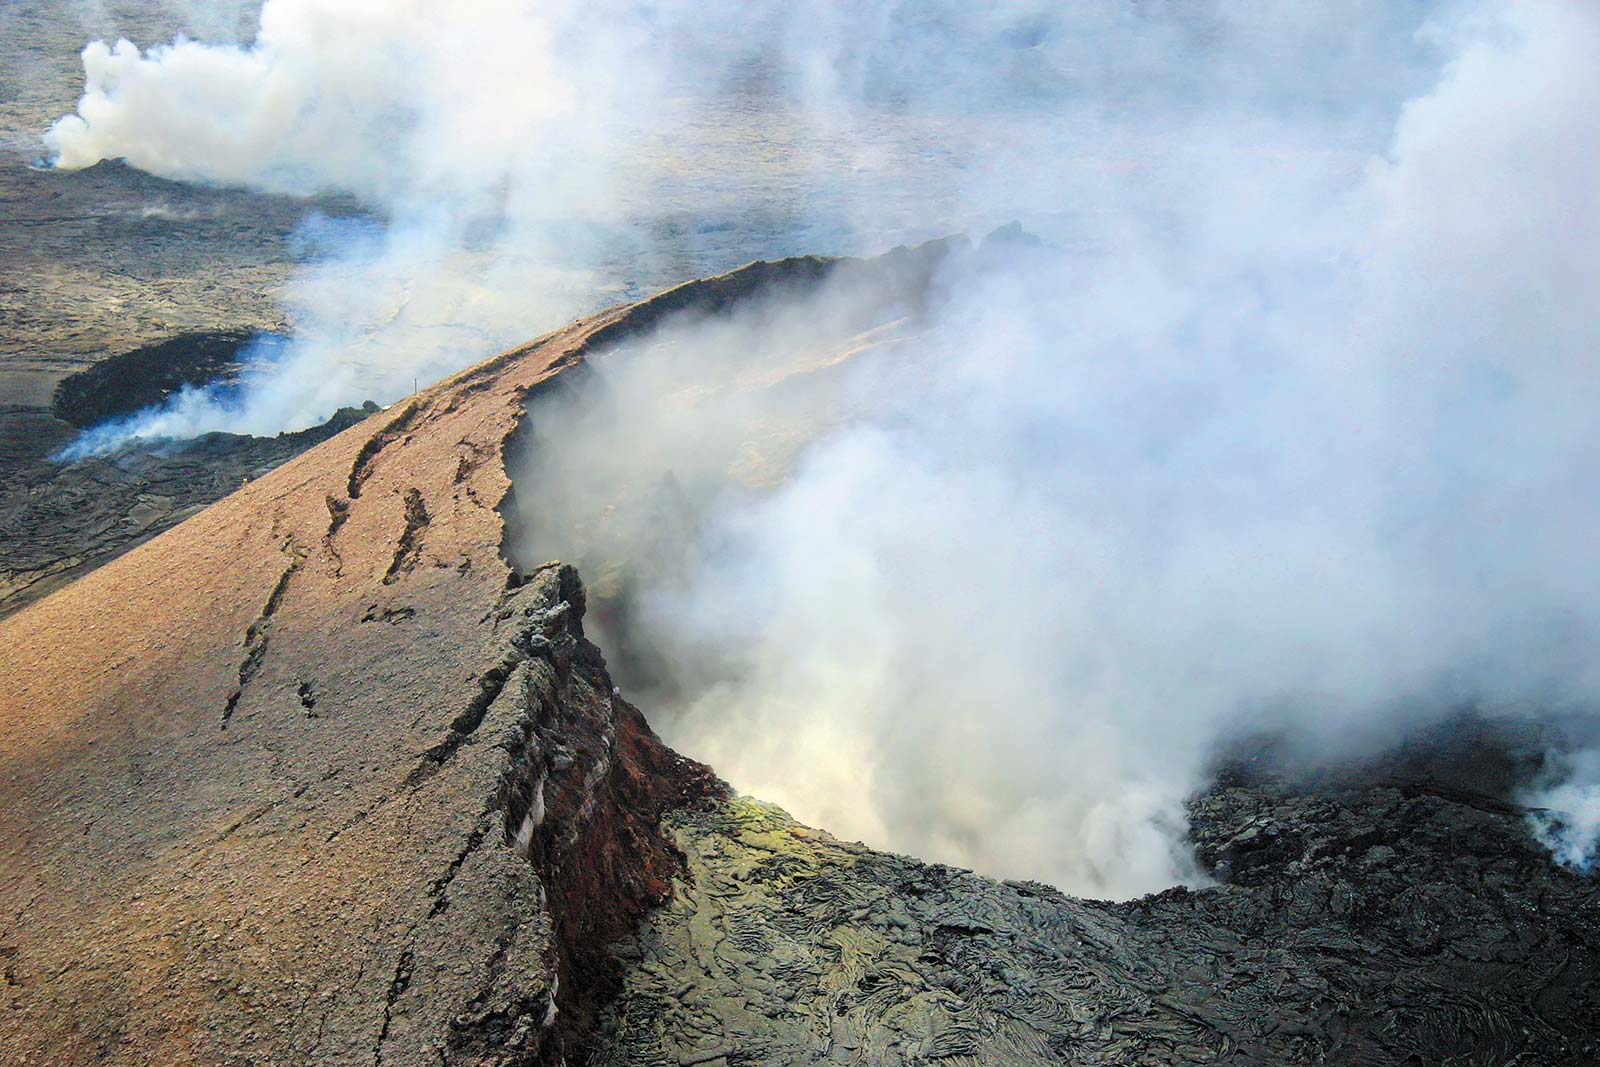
(1301, 455)
(1289, 424)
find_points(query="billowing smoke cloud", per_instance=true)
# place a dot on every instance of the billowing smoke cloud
(1566, 812)
(455, 126)
(1311, 450)
(530, 162)
(1288, 425)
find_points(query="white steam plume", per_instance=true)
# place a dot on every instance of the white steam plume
(1313, 450)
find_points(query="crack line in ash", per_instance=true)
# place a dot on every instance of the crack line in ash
(361, 470)
(256, 637)
(397, 987)
(409, 547)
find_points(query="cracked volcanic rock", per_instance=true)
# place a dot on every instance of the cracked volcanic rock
(316, 777)
(1379, 925)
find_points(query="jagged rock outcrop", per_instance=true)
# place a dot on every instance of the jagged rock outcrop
(149, 375)
(248, 785)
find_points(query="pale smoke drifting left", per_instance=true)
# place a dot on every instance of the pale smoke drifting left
(451, 123)
(490, 139)
(527, 162)
(328, 97)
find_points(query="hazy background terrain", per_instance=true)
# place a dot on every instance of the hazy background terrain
(526, 168)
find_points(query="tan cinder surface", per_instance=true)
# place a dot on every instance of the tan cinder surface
(190, 875)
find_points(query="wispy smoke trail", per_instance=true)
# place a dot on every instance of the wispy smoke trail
(1290, 425)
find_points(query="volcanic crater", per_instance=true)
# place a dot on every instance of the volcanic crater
(328, 773)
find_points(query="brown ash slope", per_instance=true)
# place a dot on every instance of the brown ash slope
(317, 777)
(257, 770)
